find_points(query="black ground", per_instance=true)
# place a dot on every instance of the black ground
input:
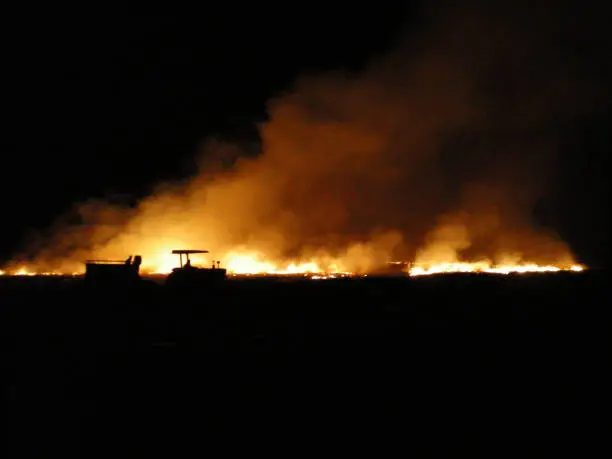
(148, 369)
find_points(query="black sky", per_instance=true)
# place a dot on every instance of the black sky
(106, 103)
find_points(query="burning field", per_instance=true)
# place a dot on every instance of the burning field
(436, 154)
(401, 226)
(249, 266)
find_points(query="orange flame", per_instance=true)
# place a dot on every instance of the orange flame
(484, 267)
(244, 263)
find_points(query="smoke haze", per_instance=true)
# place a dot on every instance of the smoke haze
(436, 152)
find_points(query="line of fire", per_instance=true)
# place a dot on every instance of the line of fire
(103, 272)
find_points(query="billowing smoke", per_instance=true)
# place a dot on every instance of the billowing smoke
(437, 151)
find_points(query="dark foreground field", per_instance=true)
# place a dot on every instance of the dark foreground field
(280, 315)
(151, 369)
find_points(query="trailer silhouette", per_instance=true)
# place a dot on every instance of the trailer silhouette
(113, 272)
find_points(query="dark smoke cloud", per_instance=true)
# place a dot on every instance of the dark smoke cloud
(445, 144)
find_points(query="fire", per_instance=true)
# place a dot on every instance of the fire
(241, 263)
(236, 263)
(23, 272)
(485, 267)
(251, 264)
(244, 262)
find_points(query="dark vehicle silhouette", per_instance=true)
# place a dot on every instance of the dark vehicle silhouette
(188, 276)
(113, 272)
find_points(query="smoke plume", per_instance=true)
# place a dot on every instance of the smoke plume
(435, 152)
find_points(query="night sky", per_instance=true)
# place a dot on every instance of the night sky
(99, 104)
